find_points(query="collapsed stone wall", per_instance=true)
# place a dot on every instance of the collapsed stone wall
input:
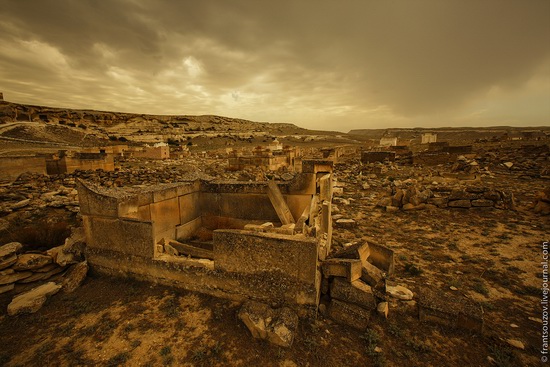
(13, 167)
(411, 196)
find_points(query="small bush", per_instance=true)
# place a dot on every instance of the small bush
(412, 269)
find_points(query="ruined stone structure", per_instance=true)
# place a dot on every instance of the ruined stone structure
(266, 158)
(258, 240)
(12, 167)
(157, 151)
(385, 142)
(68, 162)
(429, 138)
(369, 157)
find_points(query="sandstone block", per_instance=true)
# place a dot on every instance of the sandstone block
(382, 257)
(42, 276)
(345, 268)
(355, 292)
(371, 275)
(359, 251)
(349, 314)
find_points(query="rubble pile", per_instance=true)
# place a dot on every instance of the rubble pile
(409, 195)
(25, 274)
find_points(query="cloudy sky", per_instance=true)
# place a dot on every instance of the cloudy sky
(321, 64)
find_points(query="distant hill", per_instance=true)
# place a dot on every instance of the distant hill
(451, 133)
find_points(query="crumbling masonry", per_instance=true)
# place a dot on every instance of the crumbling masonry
(260, 240)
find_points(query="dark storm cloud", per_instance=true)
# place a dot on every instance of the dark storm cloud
(362, 61)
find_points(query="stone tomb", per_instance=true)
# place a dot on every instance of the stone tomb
(226, 239)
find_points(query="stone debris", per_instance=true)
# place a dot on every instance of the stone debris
(516, 343)
(33, 300)
(74, 277)
(31, 262)
(277, 326)
(399, 292)
(383, 309)
(351, 269)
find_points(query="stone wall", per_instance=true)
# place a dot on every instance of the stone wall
(12, 167)
(137, 233)
(414, 197)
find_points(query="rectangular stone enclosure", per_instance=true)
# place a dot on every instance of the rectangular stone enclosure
(192, 235)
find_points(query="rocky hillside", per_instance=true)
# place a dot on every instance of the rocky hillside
(140, 127)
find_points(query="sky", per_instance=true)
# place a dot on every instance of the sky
(320, 64)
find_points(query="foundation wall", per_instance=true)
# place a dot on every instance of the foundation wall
(12, 167)
(127, 233)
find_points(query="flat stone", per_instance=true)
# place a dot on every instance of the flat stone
(346, 223)
(515, 343)
(9, 249)
(277, 326)
(32, 300)
(399, 292)
(21, 204)
(42, 276)
(31, 261)
(482, 203)
(10, 276)
(6, 288)
(75, 276)
(8, 261)
(460, 204)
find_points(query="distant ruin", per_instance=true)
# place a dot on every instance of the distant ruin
(270, 157)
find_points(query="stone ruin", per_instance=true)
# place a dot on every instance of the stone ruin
(266, 244)
(260, 240)
(270, 158)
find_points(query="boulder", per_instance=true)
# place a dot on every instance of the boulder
(75, 277)
(31, 261)
(277, 326)
(32, 301)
